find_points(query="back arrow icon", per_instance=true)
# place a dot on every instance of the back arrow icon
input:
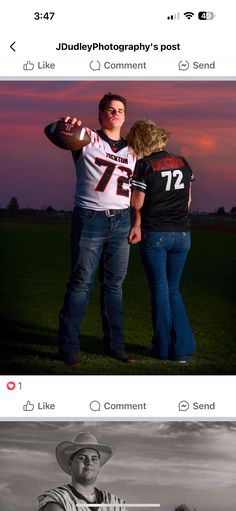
(11, 46)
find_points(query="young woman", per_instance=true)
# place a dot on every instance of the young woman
(161, 196)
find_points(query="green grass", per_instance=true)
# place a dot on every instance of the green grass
(35, 268)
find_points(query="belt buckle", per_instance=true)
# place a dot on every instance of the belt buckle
(108, 214)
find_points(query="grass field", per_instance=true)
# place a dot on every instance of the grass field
(35, 268)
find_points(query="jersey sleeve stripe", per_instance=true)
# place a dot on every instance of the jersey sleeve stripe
(138, 184)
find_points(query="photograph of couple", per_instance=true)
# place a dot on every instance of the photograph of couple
(99, 277)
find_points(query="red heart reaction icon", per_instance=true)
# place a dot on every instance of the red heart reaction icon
(11, 385)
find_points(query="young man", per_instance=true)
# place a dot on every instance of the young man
(82, 460)
(100, 227)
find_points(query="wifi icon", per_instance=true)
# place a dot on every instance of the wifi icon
(189, 14)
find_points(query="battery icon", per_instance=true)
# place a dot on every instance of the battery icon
(206, 15)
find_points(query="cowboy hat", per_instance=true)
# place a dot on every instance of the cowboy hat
(65, 450)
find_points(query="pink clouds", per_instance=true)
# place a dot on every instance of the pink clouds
(199, 115)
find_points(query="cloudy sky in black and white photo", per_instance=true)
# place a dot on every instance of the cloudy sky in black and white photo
(170, 463)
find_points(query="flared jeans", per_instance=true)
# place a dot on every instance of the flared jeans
(163, 255)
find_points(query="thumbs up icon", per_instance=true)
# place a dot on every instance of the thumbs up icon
(28, 66)
(28, 407)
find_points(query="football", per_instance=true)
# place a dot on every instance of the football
(67, 135)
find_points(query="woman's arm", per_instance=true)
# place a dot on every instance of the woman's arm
(137, 200)
(190, 196)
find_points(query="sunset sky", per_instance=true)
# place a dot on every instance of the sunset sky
(155, 462)
(200, 116)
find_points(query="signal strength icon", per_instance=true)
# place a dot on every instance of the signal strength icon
(189, 14)
(175, 16)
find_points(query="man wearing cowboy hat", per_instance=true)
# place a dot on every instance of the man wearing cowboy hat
(82, 460)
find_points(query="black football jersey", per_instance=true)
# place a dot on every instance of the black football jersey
(165, 179)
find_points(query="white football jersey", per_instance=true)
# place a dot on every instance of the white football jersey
(103, 175)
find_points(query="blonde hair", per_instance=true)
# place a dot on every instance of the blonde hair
(145, 138)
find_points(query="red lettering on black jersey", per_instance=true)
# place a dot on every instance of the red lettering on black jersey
(171, 162)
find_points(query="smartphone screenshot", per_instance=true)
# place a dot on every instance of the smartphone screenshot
(117, 229)
(65, 192)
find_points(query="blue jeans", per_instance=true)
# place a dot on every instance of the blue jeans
(163, 255)
(95, 239)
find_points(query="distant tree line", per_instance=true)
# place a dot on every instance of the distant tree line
(13, 210)
(13, 207)
(221, 211)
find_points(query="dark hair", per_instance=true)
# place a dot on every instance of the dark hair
(81, 449)
(107, 98)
